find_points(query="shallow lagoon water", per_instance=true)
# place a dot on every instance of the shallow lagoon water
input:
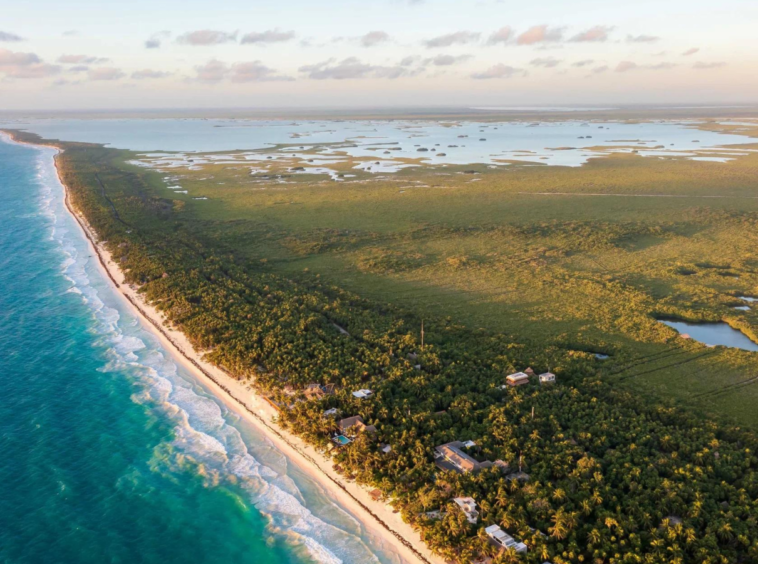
(568, 143)
(713, 334)
(112, 452)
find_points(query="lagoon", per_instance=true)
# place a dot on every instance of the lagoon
(714, 334)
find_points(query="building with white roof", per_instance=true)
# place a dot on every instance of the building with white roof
(501, 539)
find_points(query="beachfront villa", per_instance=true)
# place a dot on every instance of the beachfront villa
(450, 456)
(363, 394)
(468, 506)
(517, 379)
(355, 422)
(503, 540)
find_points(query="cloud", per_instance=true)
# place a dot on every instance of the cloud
(540, 34)
(596, 34)
(81, 60)
(268, 36)
(689, 52)
(25, 65)
(374, 38)
(409, 60)
(642, 38)
(547, 62)
(502, 35)
(662, 66)
(600, 69)
(10, 37)
(70, 33)
(105, 73)
(351, 68)
(582, 63)
(204, 37)
(457, 38)
(626, 66)
(445, 60)
(78, 68)
(255, 71)
(149, 74)
(212, 71)
(700, 65)
(499, 71)
(156, 39)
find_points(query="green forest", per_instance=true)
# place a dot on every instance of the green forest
(637, 458)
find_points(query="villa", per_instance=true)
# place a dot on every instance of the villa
(468, 506)
(503, 540)
(450, 457)
(363, 394)
(547, 378)
(517, 379)
(355, 422)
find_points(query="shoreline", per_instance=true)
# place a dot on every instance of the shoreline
(376, 517)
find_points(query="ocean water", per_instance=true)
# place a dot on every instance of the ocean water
(110, 451)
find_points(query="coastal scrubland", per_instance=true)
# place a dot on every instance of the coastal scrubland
(645, 456)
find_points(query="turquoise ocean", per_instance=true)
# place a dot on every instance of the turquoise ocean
(109, 450)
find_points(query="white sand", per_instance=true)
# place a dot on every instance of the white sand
(377, 517)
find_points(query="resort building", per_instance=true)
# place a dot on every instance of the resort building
(503, 540)
(547, 378)
(363, 394)
(517, 379)
(357, 423)
(317, 391)
(450, 457)
(468, 506)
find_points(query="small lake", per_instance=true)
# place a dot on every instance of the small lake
(714, 334)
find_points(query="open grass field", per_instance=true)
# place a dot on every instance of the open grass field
(580, 258)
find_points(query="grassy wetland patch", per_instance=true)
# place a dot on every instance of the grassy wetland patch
(581, 258)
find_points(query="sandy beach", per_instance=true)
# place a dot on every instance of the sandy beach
(376, 516)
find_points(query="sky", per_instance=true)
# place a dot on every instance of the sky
(112, 54)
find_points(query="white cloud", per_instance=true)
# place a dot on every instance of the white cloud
(255, 71)
(268, 36)
(351, 68)
(105, 73)
(499, 71)
(583, 63)
(700, 65)
(156, 39)
(25, 65)
(689, 52)
(502, 35)
(596, 34)
(445, 60)
(204, 37)
(10, 37)
(81, 60)
(457, 38)
(642, 38)
(212, 71)
(373, 38)
(149, 74)
(547, 62)
(540, 34)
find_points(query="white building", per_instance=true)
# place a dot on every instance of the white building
(363, 394)
(547, 378)
(468, 506)
(503, 540)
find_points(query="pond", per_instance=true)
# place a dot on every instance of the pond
(713, 334)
